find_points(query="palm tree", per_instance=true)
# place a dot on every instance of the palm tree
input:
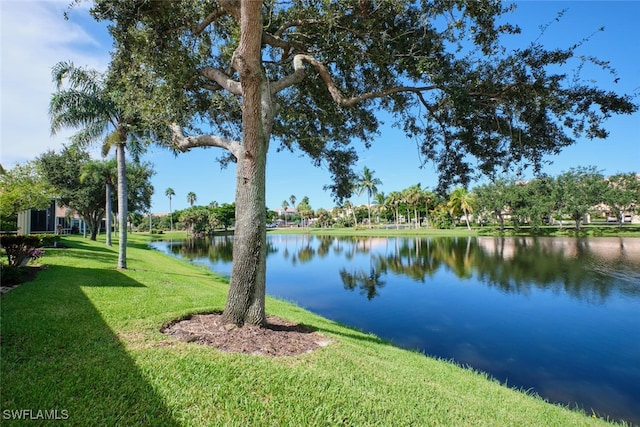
(414, 197)
(292, 199)
(428, 199)
(460, 200)
(349, 207)
(82, 101)
(393, 200)
(366, 182)
(381, 201)
(191, 198)
(103, 171)
(305, 211)
(285, 205)
(170, 193)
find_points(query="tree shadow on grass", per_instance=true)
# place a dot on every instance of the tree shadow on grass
(79, 244)
(354, 335)
(58, 353)
(108, 258)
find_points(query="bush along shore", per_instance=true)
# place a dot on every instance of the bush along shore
(82, 342)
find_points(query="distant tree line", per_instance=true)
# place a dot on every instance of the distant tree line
(196, 220)
(541, 201)
(571, 195)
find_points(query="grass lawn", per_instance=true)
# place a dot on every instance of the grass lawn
(84, 338)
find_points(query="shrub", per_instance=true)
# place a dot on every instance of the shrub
(441, 218)
(12, 275)
(48, 240)
(20, 249)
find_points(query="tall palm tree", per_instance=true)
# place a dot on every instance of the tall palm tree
(393, 199)
(460, 200)
(349, 207)
(381, 201)
(170, 193)
(428, 198)
(191, 198)
(285, 205)
(414, 198)
(106, 172)
(83, 101)
(366, 182)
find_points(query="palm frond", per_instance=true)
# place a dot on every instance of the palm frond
(79, 78)
(90, 133)
(109, 142)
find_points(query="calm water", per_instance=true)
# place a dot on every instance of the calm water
(557, 316)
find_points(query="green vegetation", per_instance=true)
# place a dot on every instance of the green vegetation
(84, 338)
(595, 230)
(21, 188)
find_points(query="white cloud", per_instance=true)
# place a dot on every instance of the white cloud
(34, 36)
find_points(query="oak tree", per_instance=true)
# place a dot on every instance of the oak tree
(314, 75)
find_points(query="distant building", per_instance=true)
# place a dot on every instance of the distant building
(53, 219)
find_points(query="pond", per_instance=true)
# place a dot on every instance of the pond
(556, 316)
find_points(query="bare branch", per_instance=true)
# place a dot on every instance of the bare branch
(222, 79)
(185, 143)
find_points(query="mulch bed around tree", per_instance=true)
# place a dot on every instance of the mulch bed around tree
(278, 338)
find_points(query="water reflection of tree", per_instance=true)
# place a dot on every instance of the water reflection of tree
(306, 252)
(514, 265)
(421, 258)
(215, 249)
(367, 282)
(325, 244)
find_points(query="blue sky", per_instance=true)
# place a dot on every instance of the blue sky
(34, 36)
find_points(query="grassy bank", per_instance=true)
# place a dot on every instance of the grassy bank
(84, 338)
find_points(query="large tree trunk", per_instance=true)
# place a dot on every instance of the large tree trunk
(93, 228)
(123, 212)
(93, 219)
(246, 298)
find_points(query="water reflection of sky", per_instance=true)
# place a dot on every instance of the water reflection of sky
(555, 315)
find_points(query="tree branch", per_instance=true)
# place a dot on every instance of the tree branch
(299, 74)
(217, 13)
(295, 23)
(222, 79)
(276, 41)
(185, 143)
(232, 7)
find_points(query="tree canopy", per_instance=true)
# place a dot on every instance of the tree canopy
(84, 193)
(79, 183)
(438, 68)
(315, 75)
(21, 187)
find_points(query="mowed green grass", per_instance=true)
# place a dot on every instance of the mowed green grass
(85, 338)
